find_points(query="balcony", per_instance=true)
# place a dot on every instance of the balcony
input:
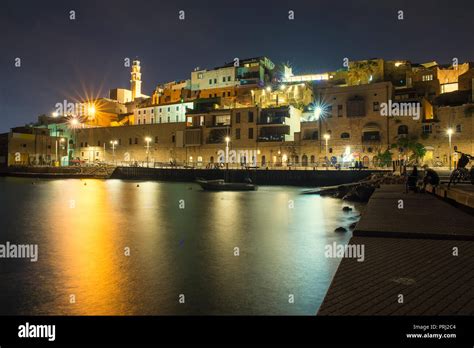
(217, 136)
(371, 137)
(274, 116)
(274, 133)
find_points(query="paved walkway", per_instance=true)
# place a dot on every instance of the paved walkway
(420, 252)
(393, 213)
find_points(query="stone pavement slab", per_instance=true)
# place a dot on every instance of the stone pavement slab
(431, 279)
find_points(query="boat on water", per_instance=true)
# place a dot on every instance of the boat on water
(221, 185)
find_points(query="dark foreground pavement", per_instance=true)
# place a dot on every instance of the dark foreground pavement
(418, 260)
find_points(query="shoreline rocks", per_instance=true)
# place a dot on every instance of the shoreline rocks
(362, 190)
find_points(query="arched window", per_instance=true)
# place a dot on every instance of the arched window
(304, 160)
(211, 159)
(402, 129)
(345, 135)
(312, 159)
(264, 160)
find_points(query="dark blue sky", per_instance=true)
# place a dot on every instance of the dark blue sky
(61, 59)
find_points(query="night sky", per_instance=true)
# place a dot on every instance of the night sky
(64, 59)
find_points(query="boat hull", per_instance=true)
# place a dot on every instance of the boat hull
(220, 185)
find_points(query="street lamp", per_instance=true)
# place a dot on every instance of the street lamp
(326, 138)
(318, 110)
(113, 143)
(227, 140)
(450, 133)
(148, 140)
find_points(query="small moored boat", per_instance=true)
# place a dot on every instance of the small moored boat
(221, 185)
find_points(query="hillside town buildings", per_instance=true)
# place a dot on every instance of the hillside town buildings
(266, 115)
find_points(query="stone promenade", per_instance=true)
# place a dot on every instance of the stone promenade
(419, 259)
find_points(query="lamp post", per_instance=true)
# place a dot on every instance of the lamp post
(450, 133)
(147, 139)
(55, 115)
(326, 138)
(113, 143)
(227, 140)
(74, 122)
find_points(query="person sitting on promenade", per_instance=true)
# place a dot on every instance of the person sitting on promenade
(431, 177)
(412, 180)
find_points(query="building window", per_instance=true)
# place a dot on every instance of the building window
(144, 121)
(369, 150)
(86, 144)
(339, 110)
(250, 133)
(139, 121)
(156, 140)
(237, 133)
(160, 119)
(144, 111)
(345, 135)
(136, 141)
(458, 128)
(177, 108)
(222, 120)
(223, 79)
(210, 81)
(152, 120)
(228, 94)
(402, 129)
(223, 94)
(139, 112)
(98, 143)
(427, 129)
(376, 106)
(215, 80)
(152, 111)
(330, 150)
(173, 138)
(237, 117)
(168, 119)
(250, 116)
(427, 77)
(228, 78)
(169, 109)
(200, 76)
(82, 144)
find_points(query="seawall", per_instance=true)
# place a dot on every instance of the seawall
(260, 176)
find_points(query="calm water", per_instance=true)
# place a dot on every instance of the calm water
(82, 232)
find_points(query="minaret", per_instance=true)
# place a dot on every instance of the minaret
(136, 81)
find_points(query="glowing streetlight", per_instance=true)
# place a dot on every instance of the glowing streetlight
(227, 140)
(55, 114)
(318, 111)
(282, 87)
(326, 138)
(91, 110)
(269, 89)
(148, 140)
(450, 133)
(113, 143)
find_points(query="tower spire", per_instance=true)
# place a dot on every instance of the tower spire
(136, 81)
